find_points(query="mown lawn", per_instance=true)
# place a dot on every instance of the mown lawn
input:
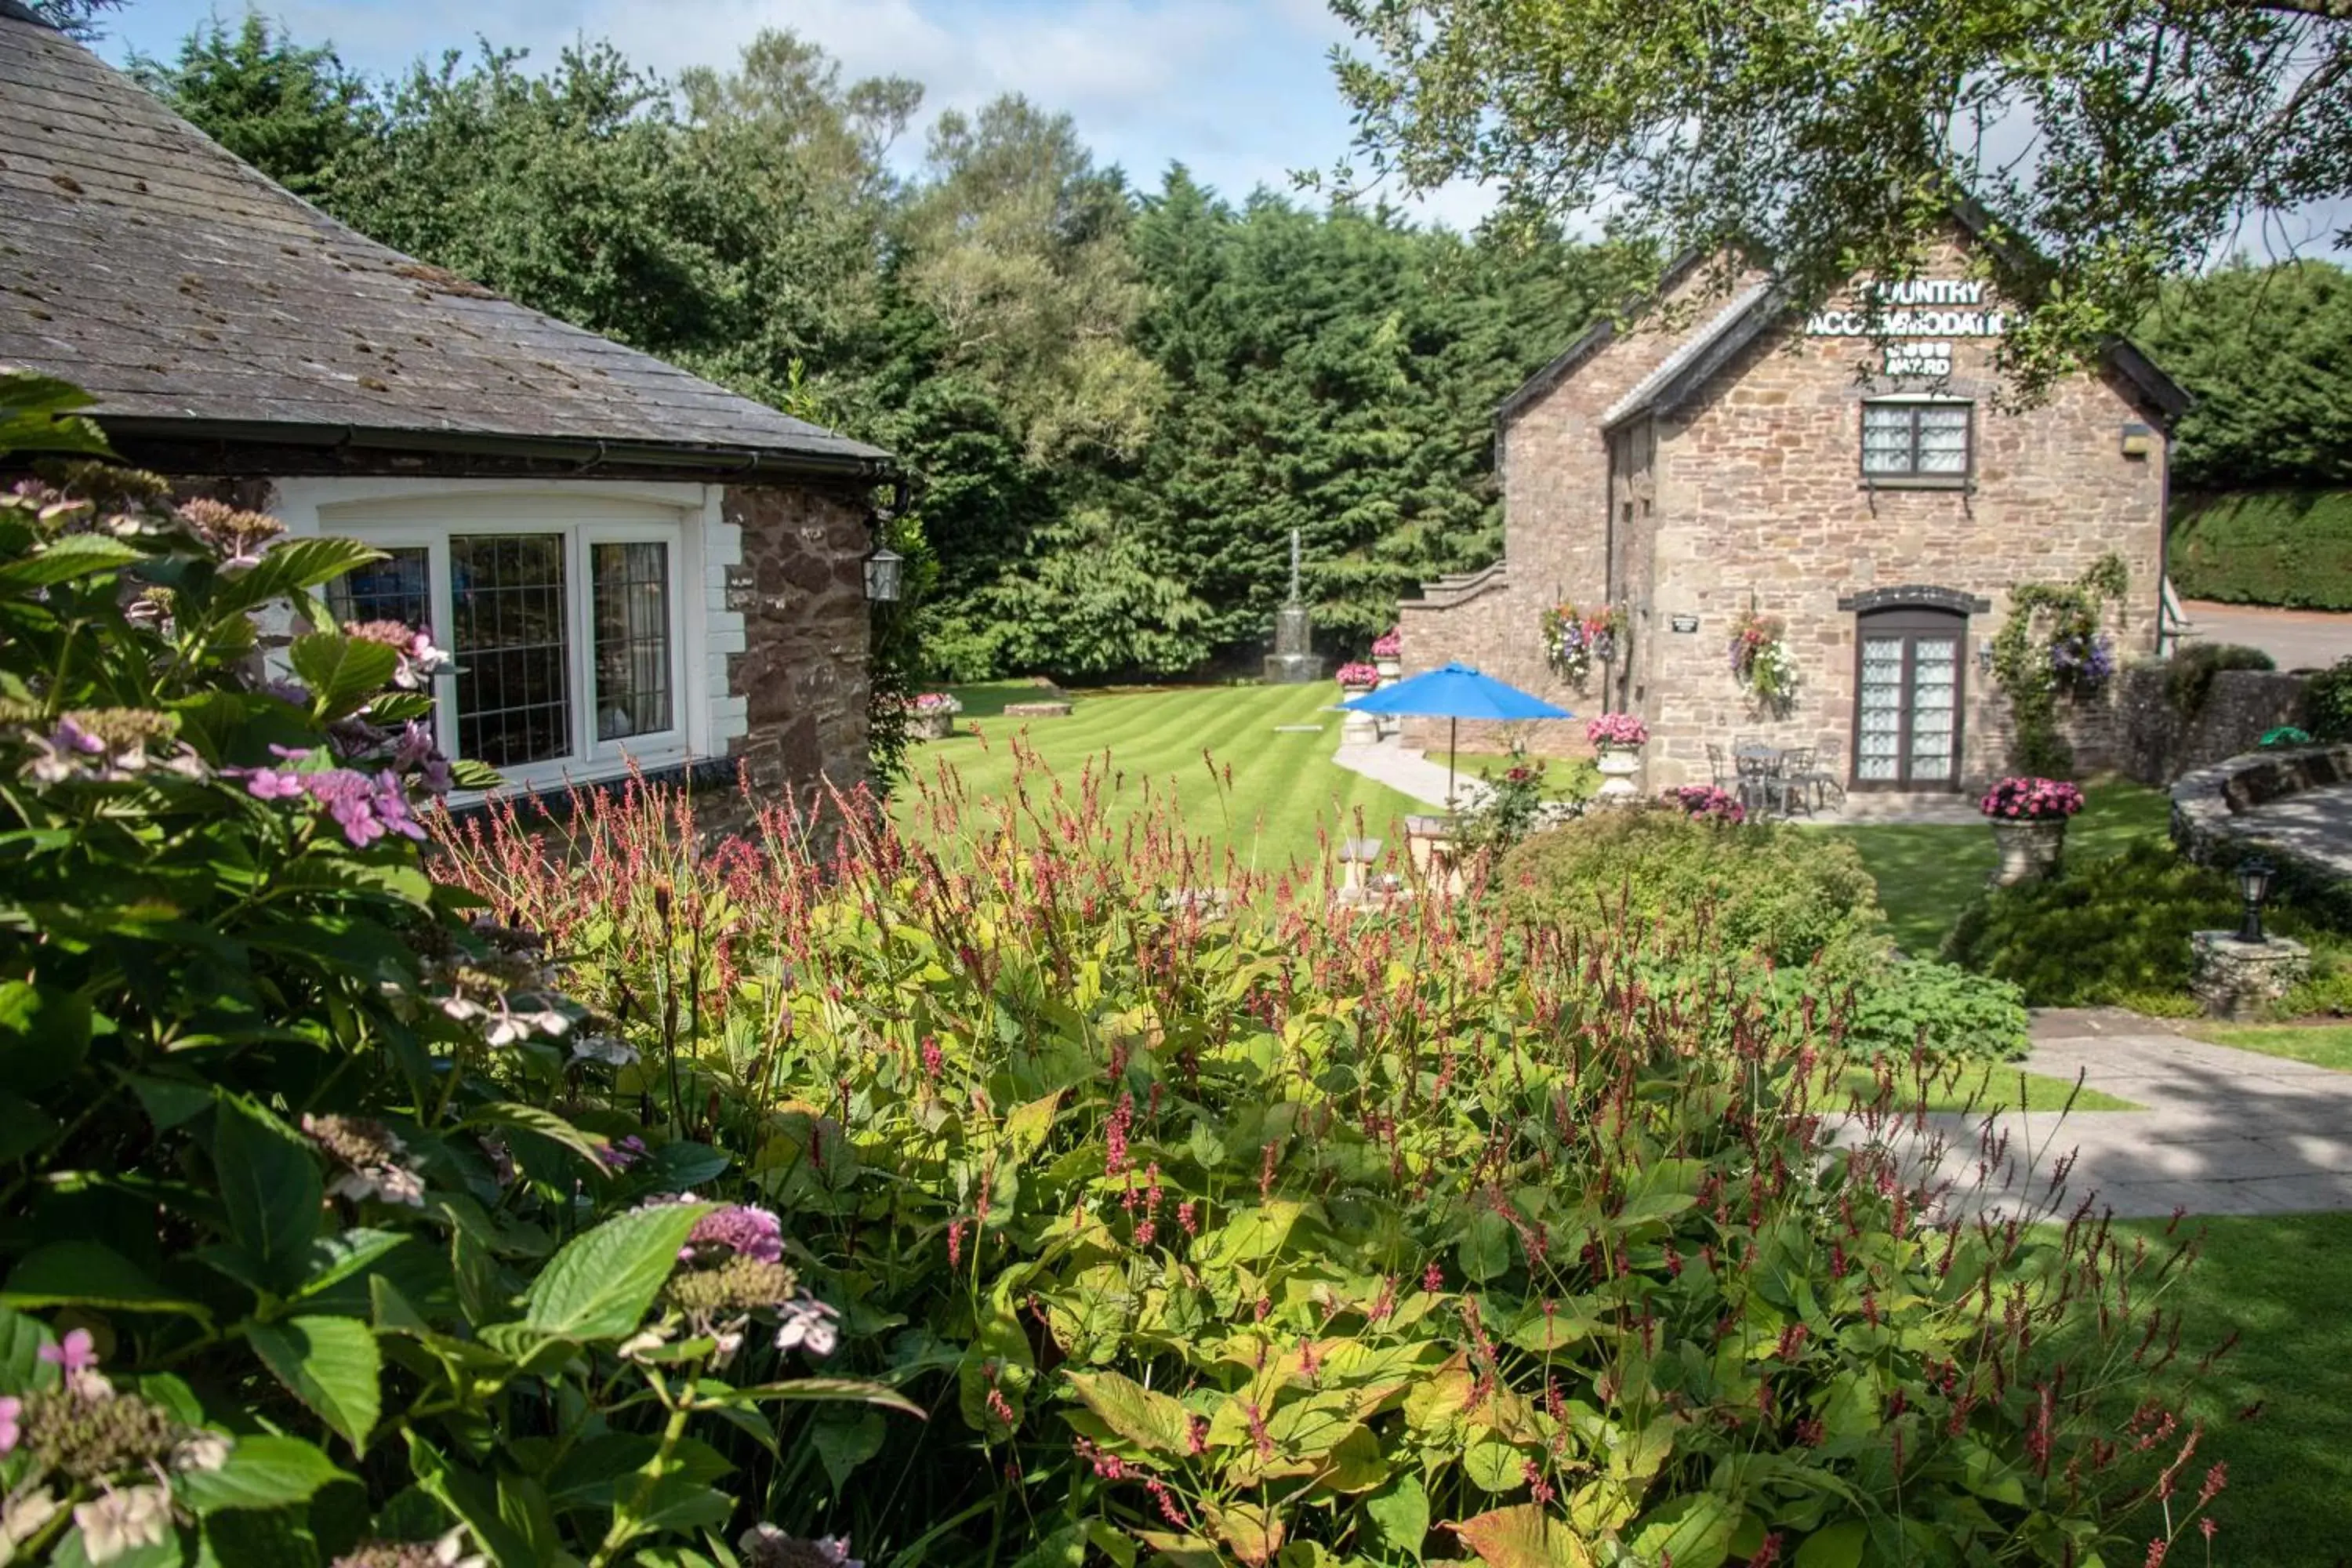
(2321, 1045)
(1285, 786)
(2278, 1408)
(1996, 1087)
(1927, 875)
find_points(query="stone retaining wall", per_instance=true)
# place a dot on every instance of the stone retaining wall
(2158, 746)
(2209, 827)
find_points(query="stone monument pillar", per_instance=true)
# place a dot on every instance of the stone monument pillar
(1292, 661)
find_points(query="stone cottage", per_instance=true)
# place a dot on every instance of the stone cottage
(632, 565)
(1847, 473)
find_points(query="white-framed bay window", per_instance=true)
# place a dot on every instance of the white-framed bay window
(578, 620)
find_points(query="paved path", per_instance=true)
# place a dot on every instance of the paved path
(2298, 640)
(1409, 773)
(2225, 1131)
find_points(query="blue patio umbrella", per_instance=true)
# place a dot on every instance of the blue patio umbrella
(1454, 692)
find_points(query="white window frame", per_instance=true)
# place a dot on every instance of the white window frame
(397, 516)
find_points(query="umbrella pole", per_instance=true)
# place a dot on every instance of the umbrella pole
(1453, 735)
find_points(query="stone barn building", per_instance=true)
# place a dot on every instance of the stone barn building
(633, 567)
(1859, 483)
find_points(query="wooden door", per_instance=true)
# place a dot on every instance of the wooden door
(1909, 675)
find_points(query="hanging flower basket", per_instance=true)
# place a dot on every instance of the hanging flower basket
(1575, 640)
(2082, 658)
(1762, 663)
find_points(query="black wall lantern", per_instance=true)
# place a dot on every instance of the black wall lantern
(2254, 875)
(884, 569)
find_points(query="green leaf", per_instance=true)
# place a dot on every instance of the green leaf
(22, 1338)
(289, 567)
(270, 1186)
(23, 1127)
(74, 555)
(1526, 1537)
(331, 1365)
(89, 1274)
(845, 1441)
(262, 1472)
(168, 1102)
(1839, 1546)
(804, 1390)
(343, 672)
(1696, 1529)
(1152, 1421)
(37, 415)
(44, 1035)
(334, 1259)
(1400, 1512)
(546, 1124)
(601, 1284)
(1494, 1465)
(473, 1500)
(1484, 1250)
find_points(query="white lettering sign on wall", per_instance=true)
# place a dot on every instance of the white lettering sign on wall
(1935, 309)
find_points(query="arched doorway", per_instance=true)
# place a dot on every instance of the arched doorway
(1907, 697)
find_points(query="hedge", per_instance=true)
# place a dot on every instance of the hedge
(2288, 548)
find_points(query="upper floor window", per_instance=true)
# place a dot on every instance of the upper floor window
(1914, 438)
(566, 639)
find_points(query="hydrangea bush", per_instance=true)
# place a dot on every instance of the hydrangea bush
(326, 1236)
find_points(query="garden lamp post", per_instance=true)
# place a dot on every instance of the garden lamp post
(2254, 875)
(884, 569)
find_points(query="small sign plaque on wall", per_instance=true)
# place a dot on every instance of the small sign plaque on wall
(1686, 622)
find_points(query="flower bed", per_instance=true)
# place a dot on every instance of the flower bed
(1707, 803)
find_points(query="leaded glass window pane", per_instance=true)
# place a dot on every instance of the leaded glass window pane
(514, 647)
(1911, 440)
(397, 588)
(633, 656)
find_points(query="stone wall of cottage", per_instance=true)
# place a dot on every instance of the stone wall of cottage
(801, 674)
(1762, 504)
(1751, 494)
(1554, 464)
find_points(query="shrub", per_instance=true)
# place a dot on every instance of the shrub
(2103, 932)
(1940, 1011)
(1514, 802)
(335, 1232)
(2188, 673)
(2290, 548)
(1779, 892)
(1247, 1229)
(2328, 695)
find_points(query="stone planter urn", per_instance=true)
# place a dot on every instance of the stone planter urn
(1390, 668)
(1617, 765)
(933, 726)
(1359, 729)
(2029, 850)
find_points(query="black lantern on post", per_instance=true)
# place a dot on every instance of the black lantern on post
(2254, 875)
(884, 569)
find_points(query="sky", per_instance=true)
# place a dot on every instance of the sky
(1239, 90)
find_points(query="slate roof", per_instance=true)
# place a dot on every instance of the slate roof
(197, 300)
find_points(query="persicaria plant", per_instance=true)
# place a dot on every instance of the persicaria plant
(2030, 800)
